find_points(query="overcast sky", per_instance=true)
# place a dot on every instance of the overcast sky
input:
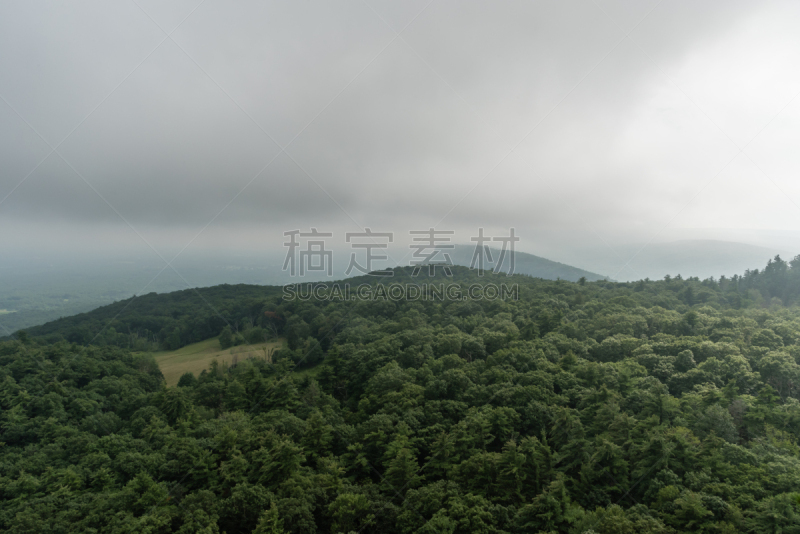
(580, 124)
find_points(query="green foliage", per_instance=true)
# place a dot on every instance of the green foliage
(657, 407)
(226, 338)
(187, 380)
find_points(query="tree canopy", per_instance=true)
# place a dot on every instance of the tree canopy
(655, 406)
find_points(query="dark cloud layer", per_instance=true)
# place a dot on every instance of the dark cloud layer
(594, 122)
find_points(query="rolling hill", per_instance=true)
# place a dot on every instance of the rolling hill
(524, 263)
(34, 294)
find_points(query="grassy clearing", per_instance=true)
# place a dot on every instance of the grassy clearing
(198, 356)
(3, 312)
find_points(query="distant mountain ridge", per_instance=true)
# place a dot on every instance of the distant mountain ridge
(524, 263)
(700, 258)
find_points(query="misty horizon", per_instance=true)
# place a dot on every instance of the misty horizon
(393, 118)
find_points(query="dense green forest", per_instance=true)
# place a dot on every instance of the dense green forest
(654, 406)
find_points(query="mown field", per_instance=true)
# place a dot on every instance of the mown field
(198, 356)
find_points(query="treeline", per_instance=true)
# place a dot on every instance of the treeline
(173, 320)
(778, 280)
(650, 407)
(163, 321)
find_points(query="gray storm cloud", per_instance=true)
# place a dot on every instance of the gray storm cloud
(572, 122)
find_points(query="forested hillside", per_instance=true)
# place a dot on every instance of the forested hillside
(655, 406)
(149, 322)
(173, 320)
(34, 292)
